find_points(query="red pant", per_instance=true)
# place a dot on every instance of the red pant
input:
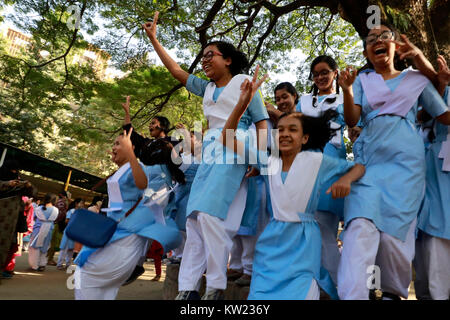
(156, 252)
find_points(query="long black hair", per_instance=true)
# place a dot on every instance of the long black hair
(289, 88)
(318, 128)
(49, 198)
(332, 64)
(164, 124)
(398, 64)
(239, 62)
(73, 204)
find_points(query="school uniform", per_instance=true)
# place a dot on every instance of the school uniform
(287, 261)
(178, 209)
(100, 272)
(254, 220)
(66, 246)
(433, 242)
(381, 210)
(41, 236)
(218, 194)
(330, 211)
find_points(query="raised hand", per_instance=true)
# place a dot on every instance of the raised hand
(249, 88)
(347, 77)
(150, 27)
(443, 72)
(126, 105)
(126, 143)
(405, 48)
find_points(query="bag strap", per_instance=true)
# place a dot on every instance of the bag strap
(133, 207)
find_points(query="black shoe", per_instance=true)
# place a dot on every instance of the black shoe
(214, 294)
(188, 295)
(137, 272)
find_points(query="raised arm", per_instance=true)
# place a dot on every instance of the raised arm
(140, 178)
(171, 65)
(352, 112)
(126, 108)
(406, 49)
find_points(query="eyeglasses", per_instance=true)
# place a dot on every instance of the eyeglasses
(384, 36)
(209, 55)
(321, 73)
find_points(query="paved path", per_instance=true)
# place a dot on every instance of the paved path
(52, 284)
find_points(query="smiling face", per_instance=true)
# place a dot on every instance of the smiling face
(213, 63)
(323, 77)
(379, 49)
(290, 135)
(118, 154)
(285, 100)
(155, 129)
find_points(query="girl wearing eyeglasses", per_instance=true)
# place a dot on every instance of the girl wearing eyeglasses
(381, 210)
(217, 199)
(325, 96)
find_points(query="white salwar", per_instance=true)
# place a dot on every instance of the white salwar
(107, 269)
(209, 234)
(366, 247)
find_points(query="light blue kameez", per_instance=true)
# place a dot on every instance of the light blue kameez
(434, 217)
(390, 192)
(326, 202)
(215, 185)
(37, 227)
(288, 254)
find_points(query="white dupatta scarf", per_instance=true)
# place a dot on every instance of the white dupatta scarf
(291, 197)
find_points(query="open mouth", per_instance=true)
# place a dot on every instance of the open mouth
(380, 51)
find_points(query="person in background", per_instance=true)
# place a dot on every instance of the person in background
(66, 246)
(96, 204)
(42, 232)
(29, 211)
(62, 204)
(12, 189)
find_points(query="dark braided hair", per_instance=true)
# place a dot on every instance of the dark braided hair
(239, 62)
(332, 64)
(318, 128)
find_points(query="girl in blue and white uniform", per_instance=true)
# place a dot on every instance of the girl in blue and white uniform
(381, 210)
(100, 272)
(325, 96)
(287, 256)
(66, 246)
(217, 199)
(45, 215)
(433, 241)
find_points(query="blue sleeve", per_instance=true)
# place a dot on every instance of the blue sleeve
(196, 85)
(298, 107)
(357, 91)
(432, 102)
(257, 109)
(446, 93)
(332, 167)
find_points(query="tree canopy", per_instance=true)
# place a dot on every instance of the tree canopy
(57, 105)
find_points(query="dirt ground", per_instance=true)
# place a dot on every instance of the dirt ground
(52, 284)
